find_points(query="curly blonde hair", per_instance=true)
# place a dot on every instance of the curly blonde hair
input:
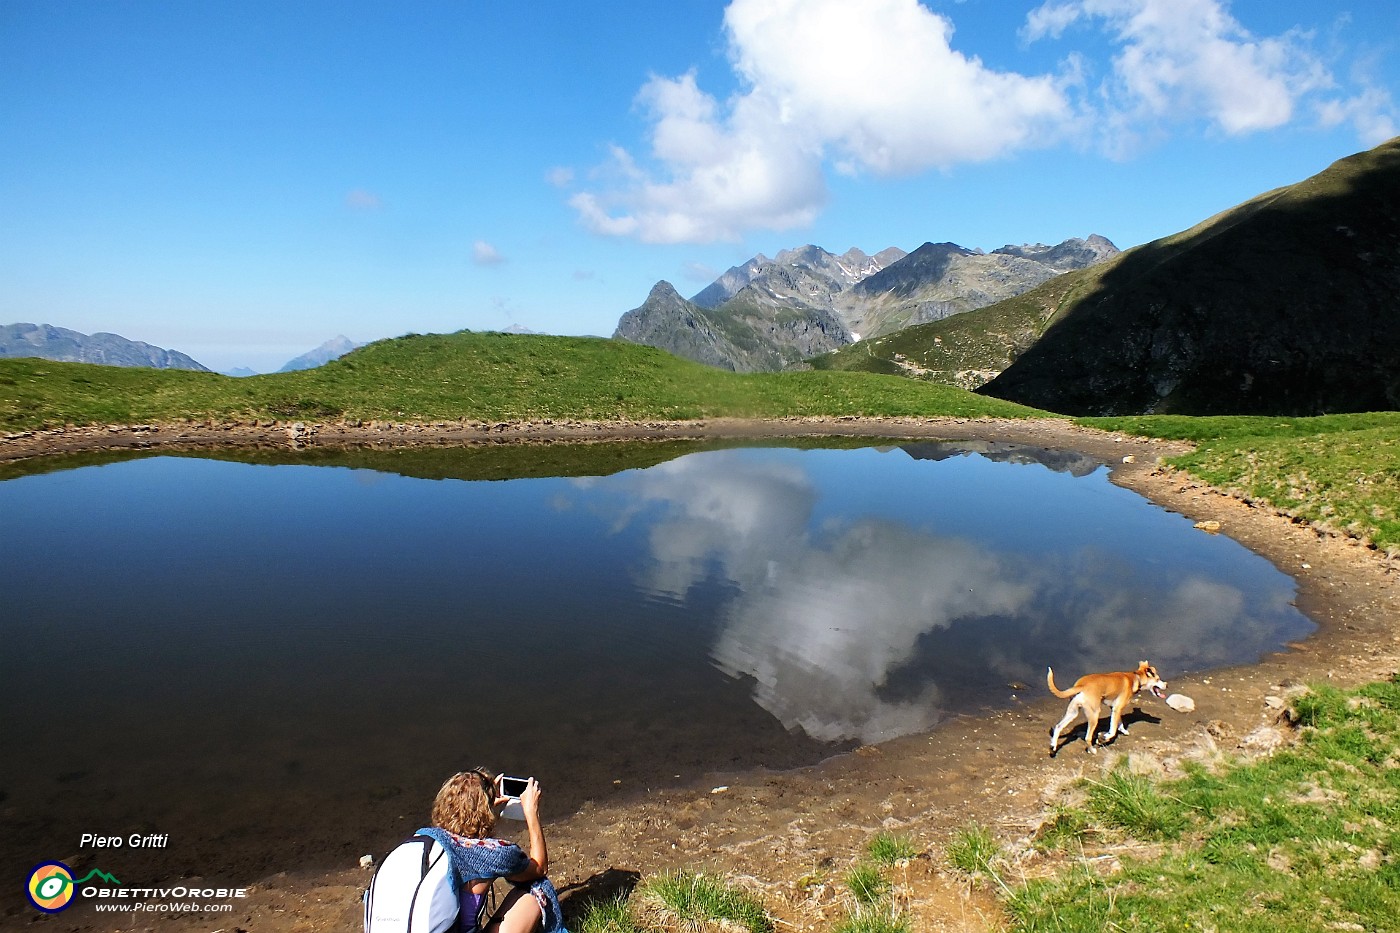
(463, 804)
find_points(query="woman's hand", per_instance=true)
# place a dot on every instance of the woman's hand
(539, 851)
(530, 799)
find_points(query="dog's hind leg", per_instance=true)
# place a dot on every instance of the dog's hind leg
(1091, 713)
(1071, 715)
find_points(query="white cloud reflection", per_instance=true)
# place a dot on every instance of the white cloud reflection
(856, 628)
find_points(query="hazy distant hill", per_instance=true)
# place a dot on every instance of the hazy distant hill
(59, 343)
(770, 314)
(332, 349)
(1286, 304)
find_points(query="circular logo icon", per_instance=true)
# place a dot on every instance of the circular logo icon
(50, 887)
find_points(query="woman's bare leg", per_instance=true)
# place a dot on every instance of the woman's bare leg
(518, 913)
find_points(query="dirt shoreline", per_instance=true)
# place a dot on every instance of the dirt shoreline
(794, 834)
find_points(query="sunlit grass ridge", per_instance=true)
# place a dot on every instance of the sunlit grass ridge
(468, 376)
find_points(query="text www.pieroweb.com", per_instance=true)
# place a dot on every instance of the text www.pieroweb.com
(182, 907)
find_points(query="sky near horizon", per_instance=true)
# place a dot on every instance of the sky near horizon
(243, 181)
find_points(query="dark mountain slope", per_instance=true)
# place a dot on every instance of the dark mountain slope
(1288, 304)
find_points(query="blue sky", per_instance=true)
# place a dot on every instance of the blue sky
(241, 181)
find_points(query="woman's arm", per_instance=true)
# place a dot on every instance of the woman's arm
(538, 851)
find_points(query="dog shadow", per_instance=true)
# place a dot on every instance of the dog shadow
(609, 884)
(1076, 732)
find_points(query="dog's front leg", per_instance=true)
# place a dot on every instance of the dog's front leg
(1115, 724)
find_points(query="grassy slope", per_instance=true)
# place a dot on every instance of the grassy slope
(1342, 471)
(466, 376)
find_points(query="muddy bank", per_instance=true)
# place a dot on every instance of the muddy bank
(796, 833)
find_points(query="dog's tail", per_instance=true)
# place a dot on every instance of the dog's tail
(1050, 682)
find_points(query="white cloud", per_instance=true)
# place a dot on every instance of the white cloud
(561, 176)
(1371, 112)
(1183, 60)
(484, 254)
(878, 89)
(360, 199)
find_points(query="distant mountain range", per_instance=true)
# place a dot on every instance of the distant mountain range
(59, 343)
(332, 349)
(769, 314)
(1285, 305)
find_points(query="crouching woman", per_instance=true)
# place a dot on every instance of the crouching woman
(464, 816)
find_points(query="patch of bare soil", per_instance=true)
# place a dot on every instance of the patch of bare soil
(794, 835)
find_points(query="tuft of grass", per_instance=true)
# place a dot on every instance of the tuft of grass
(608, 916)
(1066, 827)
(1133, 803)
(693, 901)
(973, 850)
(878, 918)
(867, 884)
(888, 848)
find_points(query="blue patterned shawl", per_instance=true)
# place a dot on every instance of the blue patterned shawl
(488, 859)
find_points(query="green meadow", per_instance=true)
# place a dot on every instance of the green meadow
(467, 376)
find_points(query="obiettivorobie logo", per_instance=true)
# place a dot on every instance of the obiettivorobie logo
(51, 885)
(52, 888)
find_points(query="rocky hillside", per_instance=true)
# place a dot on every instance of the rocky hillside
(1288, 304)
(939, 280)
(742, 335)
(59, 343)
(770, 314)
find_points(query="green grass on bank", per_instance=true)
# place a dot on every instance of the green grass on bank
(1305, 839)
(1342, 471)
(467, 376)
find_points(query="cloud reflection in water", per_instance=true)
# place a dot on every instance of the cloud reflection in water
(863, 626)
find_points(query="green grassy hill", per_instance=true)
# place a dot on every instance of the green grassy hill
(466, 376)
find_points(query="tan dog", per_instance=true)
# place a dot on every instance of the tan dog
(1091, 690)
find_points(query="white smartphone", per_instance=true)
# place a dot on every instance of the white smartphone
(512, 788)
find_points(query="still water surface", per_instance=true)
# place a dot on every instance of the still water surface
(241, 655)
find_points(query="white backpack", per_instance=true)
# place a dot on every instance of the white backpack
(411, 891)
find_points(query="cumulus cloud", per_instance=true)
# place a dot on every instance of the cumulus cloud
(485, 254)
(879, 89)
(1183, 60)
